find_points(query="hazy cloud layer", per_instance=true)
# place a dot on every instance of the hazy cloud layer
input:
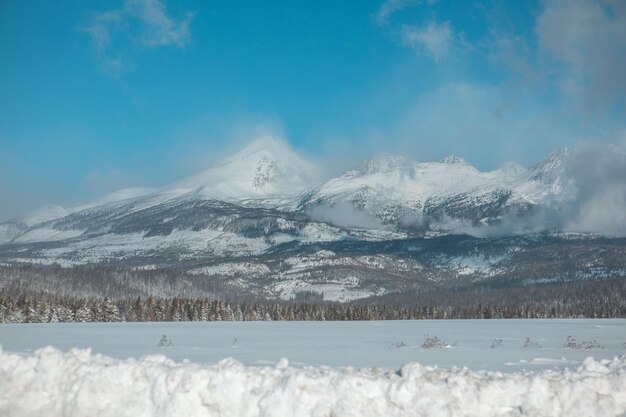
(598, 172)
(98, 183)
(576, 47)
(593, 198)
(588, 40)
(575, 54)
(344, 215)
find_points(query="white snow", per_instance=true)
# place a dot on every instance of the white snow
(357, 344)
(47, 234)
(321, 258)
(321, 369)
(393, 188)
(334, 289)
(390, 181)
(187, 243)
(472, 264)
(79, 383)
(231, 269)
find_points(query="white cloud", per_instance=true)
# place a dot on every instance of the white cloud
(479, 122)
(432, 37)
(436, 38)
(144, 22)
(159, 29)
(587, 39)
(100, 28)
(390, 7)
(604, 213)
(598, 172)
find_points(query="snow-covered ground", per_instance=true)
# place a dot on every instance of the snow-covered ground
(386, 344)
(516, 368)
(77, 384)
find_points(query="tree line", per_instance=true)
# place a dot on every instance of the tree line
(596, 299)
(42, 294)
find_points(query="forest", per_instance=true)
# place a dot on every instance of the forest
(35, 294)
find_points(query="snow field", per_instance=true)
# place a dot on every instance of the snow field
(359, 344)
(79, 383)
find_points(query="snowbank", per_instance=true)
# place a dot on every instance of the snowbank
(78, 383)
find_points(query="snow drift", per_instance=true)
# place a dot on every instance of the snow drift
(78, 383)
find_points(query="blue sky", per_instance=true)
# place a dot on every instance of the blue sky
(101, 95)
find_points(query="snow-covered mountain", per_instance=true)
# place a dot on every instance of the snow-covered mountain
(265, 169)
(260, 220)
(399, 192)
(396, 194)
(267, 190)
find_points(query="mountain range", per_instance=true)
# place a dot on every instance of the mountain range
(263, 221)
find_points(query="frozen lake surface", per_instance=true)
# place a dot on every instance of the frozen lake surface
(384, 344)
(375, 369)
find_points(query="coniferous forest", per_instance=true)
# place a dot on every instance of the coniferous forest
(34, 294)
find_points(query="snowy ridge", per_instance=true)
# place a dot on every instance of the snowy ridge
(116, 197)
(53, 212)
(397, 191)
(43, 215)
(78, 383)
(547, 181)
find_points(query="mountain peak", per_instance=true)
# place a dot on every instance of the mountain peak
(552, 167)
(266, 145)
(453, 159)
(266, 166)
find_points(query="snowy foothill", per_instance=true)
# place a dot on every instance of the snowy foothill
(79, 383)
